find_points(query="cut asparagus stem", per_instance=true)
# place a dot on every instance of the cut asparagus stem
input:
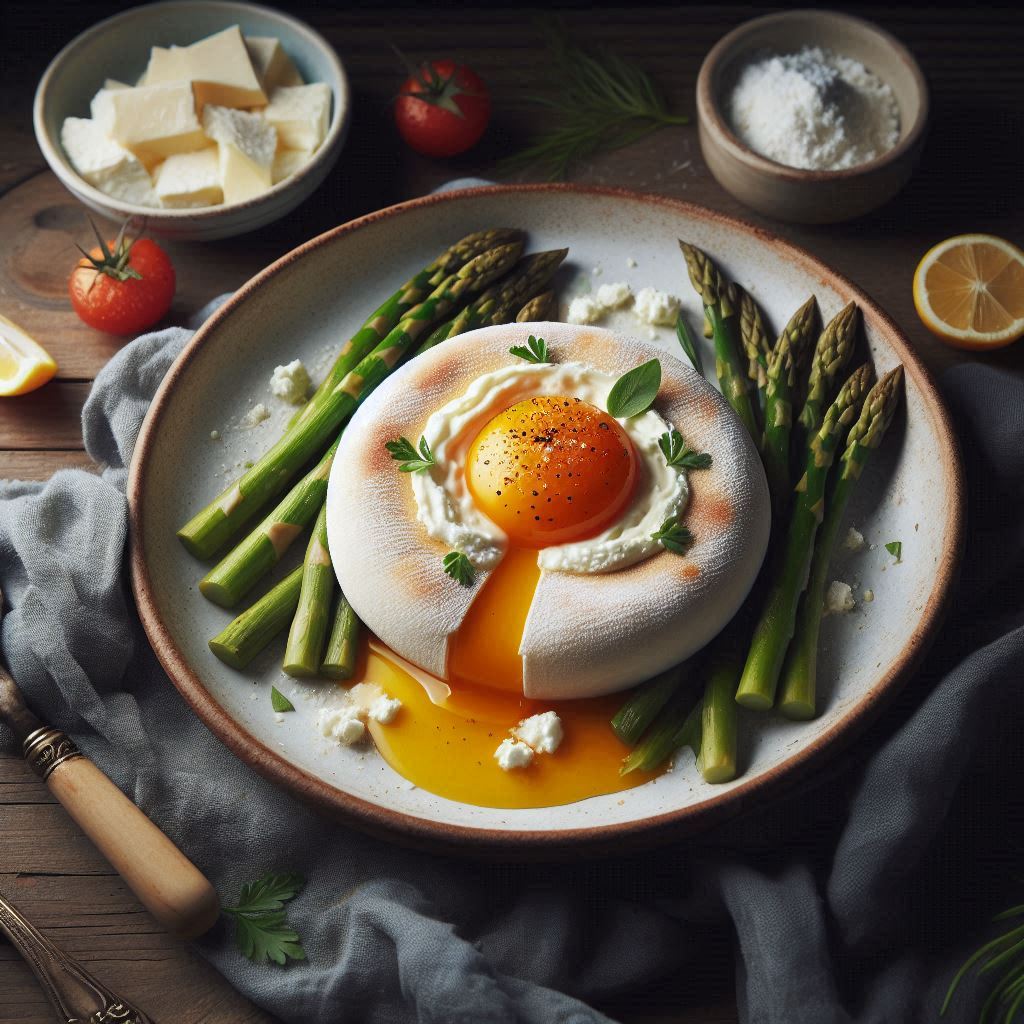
(754, 339)
(414, 291)
(688, 345)
(678, 726)
(799, 673)
(343, 643)
(243, 567)
(720, 308)
(778, 415)
(208, 531)
(831, 354)
(243, 638)
(717, 758)
(775, 627)
(643, 706)
(540, 308)
(308, 630)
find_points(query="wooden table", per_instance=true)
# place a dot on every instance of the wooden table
(968, 181)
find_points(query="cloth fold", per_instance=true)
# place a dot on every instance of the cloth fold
(852, 900)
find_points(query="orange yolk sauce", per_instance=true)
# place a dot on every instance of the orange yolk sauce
(549, 470)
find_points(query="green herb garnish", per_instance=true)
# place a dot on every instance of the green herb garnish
(674, 536)
(1005, 952)
(534, 351)
(678, 453)
(261, 931)
(635, 391)
(279, 702)
(413, 461)
(459, 567)
(687, 343)
(895, 548)
(599, 101)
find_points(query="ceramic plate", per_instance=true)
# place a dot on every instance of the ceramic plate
(309, 302)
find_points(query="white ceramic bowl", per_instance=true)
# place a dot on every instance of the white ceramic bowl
(119, 48)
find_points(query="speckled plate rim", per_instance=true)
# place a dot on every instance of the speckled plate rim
(441, 836)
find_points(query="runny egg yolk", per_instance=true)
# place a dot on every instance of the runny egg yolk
(549, 470)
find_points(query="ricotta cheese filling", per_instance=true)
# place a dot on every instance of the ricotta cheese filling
(446, 508)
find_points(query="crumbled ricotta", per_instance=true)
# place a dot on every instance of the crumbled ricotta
(256, 415)
(656, 308)
(513, 754)
(868, 597)
(384, 709)
(630, 262)
(214, 435)
(854, 540)
(290, 382)
(342, 723)
(614, 295)
(543, 733)
(839, 598)
(584, 310)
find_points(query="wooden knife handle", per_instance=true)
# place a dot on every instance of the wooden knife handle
(166, 882)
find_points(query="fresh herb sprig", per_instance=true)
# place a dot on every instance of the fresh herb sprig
(459, 567)
(687, 344)
(600, 101)
(262, 932)
(635, 391)
(895, 548)
(1007, 992)
(534, 351)
(413, 461)
(279, 702)
(674, 536)
(678, 453)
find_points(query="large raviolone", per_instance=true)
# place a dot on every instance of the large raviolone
(585, 634)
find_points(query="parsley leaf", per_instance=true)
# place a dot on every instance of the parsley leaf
(895, 548)
(413, 461)
(635, 391)
(279, 702)
(261, 931)
(674, 536)
(678, 453)
(534, 351)
(459, 567)
(687, 343)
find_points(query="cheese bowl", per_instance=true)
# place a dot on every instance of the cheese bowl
(119, 48)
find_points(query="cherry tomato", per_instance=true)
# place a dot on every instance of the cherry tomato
(442, 109)
(123, 287)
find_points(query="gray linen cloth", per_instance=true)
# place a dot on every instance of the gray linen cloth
(851, 900)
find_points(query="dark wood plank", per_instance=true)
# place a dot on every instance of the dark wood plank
(41, 465)
(49, 418)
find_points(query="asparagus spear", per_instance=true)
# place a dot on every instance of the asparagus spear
(343, 643)
(778, 412)
(720, 301)
(540, 307)
(831, 354)
(243, 638)
(775, 627)
(414, 291)
(633, 718)
(309, 625)
(239, 571)
(800, 669)
(221, 520)
(754, 339)
(678, 726)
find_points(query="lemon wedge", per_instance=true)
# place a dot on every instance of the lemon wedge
(969, 291)
(24, 364)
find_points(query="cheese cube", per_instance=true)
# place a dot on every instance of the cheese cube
(106, 165)
(272, 65)
(300, 114)
(156, 119)
(218, 66)
(246, 145)
(190, 179)
(287, 162)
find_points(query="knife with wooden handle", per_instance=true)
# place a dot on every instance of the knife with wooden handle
(166, 882)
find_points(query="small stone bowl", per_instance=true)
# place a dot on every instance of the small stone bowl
(790, 193)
